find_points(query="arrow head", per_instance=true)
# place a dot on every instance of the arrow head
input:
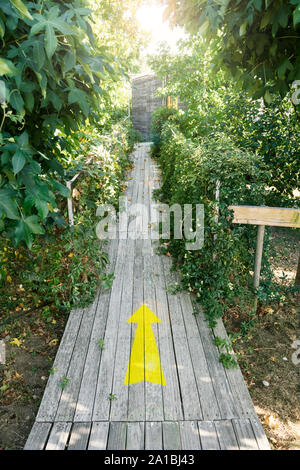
(143, 314)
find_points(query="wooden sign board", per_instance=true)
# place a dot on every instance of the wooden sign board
(263, 215)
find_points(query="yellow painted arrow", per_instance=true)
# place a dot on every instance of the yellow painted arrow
(144, 363)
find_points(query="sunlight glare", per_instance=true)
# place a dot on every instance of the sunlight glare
(150, 19)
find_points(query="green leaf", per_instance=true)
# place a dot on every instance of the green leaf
(23, 140)
(79, 96)
(258, 4)
(55, 100)
(265, 21)
(42, 79)
(7, 67)
(29, 101)
(50, 41)
(33, 225)
(2, 29)
(284, 66)
(268, 97)
(296, 16)
(22, 232)
(243, 28)
(39, 54)
(18, 161)
(19, 5)
(16, 101)
(283, 16)
(37, 28)
(69, 61)
(273, 48)
(63, 190)
(76, 95)
(42, 208)
(8, 205)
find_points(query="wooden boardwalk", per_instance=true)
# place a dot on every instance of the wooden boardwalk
(202, 405)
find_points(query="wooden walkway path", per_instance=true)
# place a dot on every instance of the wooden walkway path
(202, 405)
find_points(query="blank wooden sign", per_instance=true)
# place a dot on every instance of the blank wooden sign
(262, 215)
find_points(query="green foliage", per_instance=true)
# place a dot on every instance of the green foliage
(215, 103)
(219, 273)
(101, 344)
(64, 268)
(55, 75)
(159, 117)
(257, 41)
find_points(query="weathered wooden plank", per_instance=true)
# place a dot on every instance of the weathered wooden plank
(85, 402)
(171, 391)
(226, 435)
(260, 435)
(117, 436)
(208, 435)
(58, 436)
(119, 407)
(147, 196)
(136, 398)
(79, 436)
(69, 396)
(171, 435)
(226, 401)
(99, 436)
(260, 215)
(245, 435)
(153, 436)
(53, 390)
(135, 436)
(208, 400)
(38, 436)
(187, 381)
(153, 392)
(190, 436)
(105, 376)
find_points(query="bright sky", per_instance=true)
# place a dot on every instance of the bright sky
(151, 20)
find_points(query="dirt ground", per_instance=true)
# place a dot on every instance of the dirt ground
(31, 344)
(269, 353)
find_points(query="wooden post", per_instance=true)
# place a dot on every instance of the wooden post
(258, 258)
(70, 202)
(262, 216)
(258, 255)
(297, 281)
(218, 185)
(70, 205)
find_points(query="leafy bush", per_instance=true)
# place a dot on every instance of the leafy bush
(215, 103)
(219, 273)
(51, 69)
(159, 117)
(64, 267)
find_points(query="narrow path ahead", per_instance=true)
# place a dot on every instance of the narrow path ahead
(86, 403)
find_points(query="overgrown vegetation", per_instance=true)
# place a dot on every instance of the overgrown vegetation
(216, 103)
(64, 102)
(222, 138)
(63, 268)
